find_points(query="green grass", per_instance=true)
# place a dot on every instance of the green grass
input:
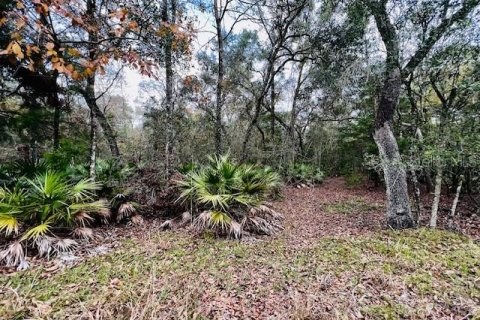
(391, 275)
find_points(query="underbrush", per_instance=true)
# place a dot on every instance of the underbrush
(229, 199)
(303, 173)
(43, 209)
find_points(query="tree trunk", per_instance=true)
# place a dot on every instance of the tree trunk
(169, 106)
(416, 194)
(436, 197)
(54, 102)
(248, 133)
(220, 79)
(398, 204)
(399, 215)
(293, 113)
(93, 146)
(272, 111)
(108, 132)
(89, 93)
(457, 196)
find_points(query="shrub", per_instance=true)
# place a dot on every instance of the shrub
(229, 198)
(304, 173)
(36, 212)
(354, 179)
(109, 172)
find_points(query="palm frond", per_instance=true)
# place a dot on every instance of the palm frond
(65, 245)
(44, 245)
(38, 231)
(125, 211)
(235, 229)
(83, 233)
(137, 219)
(13, 255)
(92, 207)
(84, 189)
(8, 224)
(82, 218)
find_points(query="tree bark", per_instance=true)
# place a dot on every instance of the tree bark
(169, 105)
(272, 110)
(89, 92)
(398, 204)
(294, 113)
(399, 215)
(220, 78)
(89, 96)
(436, 197)
(457, 196)
(93, 147)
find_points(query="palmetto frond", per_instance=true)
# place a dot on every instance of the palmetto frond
(84, 189)
(8, 224)
(236, 230)
(82, 218)
(40, 230)
(13, 255)
(65, 245)
(50, 185)
(137, 219)
(83, 233)
(44, 245)
(262, 220)
(125, 211)
(92, 207)
(214, 200)
(213, 220)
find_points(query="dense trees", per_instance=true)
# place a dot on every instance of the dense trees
(347, 87)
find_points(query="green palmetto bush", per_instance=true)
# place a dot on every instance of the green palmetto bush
(36, 211)
(304, 173)
(229, 198)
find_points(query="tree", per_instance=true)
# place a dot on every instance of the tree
(396, 72)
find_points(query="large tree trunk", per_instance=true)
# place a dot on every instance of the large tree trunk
(399, 215)
(220, 79)
(398, 204)
(89, 92)
(169, 106)
(108, 132)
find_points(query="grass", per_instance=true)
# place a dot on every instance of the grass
(412, 274)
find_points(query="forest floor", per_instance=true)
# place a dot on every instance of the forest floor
(334, 260)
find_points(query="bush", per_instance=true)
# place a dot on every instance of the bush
(111, 173)
(354, 179)
(229, 198)
(35, 212)
(304, 173)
